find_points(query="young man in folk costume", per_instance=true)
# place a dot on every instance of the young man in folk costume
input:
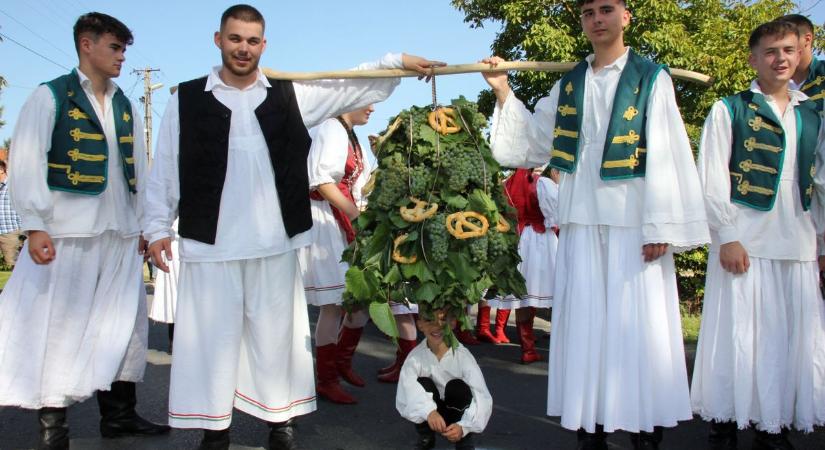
(809, 76)
(232, 164)
(73, 314)
(761, 354)
(629, 196)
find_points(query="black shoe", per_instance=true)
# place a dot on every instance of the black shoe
(215, 440)
(426, 437)
(117, 413)
(770, 441)
(722, 436)
(646, 441)
(592, 441)
(466, 443)
(282, 435)
(54, 433)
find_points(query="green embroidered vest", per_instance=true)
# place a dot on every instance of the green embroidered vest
(79, 152)
(626, 143)
(814, 85)
(758, 149)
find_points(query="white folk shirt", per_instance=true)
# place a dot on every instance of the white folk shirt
(65, 214)
(415, 404)
(786, 232)
(547, 192)
(666, 203)
(328, 156)
(250, 223)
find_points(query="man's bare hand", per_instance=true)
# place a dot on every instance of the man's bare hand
(420, 65)
(734, 257)
(436, 422)
(453, 433)
(41, 248)
(652, 252)
(159, 249)
(497, 80)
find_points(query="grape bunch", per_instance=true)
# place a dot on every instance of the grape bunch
(478, 249)
(439, 237)
(421, 180)
(497, 245)
(463, 166)
(392, 184)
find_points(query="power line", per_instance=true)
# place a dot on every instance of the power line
(35, 33)
(6, 36)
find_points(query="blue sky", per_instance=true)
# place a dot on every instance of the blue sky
(176, 37)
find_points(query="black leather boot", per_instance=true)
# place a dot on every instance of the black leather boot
(466, 443)
(117, 413)
(647, 441)
(770, 441)
(426, 436)
(722, 436)
(592, 441)
(282, 435)
(54, 432)
(215, 440)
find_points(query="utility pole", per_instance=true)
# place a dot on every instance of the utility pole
(148, 87)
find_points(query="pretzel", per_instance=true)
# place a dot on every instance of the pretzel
(443, 121)
(457, 222)
(502, 226)
(368, 188)
(420, 213)
(396, 254)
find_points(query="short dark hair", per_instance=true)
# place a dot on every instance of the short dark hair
(778, 27)
(581, 3)
(244, 13)
(98, 24)
(800, 21)
(2, 165)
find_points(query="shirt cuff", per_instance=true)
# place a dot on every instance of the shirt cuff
(727, 234)
(32, 223)
(392, 61)
(156, 236)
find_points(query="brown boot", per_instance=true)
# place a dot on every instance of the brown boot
(327, 385)
(483, 326)
(501, 324)
(347, 342)
(528, 339)
(405, 346)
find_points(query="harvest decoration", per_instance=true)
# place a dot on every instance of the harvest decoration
(433, 230)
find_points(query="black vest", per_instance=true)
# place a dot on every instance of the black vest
(204, 148)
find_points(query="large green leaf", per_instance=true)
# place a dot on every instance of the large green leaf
(417, 270)
(357, 284)
(382, 317)
(427, 292)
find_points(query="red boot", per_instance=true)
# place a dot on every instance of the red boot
(347, 342)
(395, 364)
(405, 346)
(327, 385)
(465, 336)
(483, 326)
(501, 324)
(528, 339)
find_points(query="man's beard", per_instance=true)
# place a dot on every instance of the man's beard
(238, 71)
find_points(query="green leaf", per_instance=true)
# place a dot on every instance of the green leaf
(456, 201)
(357, 284)
(481, 202)
(427, 292)
(462, 267)
(393, 276)
(417, 270)
(381, 315)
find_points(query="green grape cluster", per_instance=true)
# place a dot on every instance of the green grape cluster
(392, 183)
(421, 180)
(497, 245)
(478, 249)
(439, 237)
(463, 166)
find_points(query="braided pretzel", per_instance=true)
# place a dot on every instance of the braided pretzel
(420, 212)
(502, 226)
(396, 254)
(443, 121)
(458, 222)
(370, 186)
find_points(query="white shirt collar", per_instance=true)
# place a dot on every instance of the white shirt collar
(86, 83)
(796, 96)
(618, 64)
(214, 80)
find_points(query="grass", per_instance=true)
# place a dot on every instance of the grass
(4, 276)
(690, 328)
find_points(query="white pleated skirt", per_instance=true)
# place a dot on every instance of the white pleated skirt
(616, 351)
(323, 271)
(538, 265)
(164, 300)
(761, 354)
(72, 327)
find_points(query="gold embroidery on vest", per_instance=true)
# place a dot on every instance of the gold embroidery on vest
(748, 165)
(744, 186)
(77, 178)
(629, 138)
(65, 167)
(816, 97)
(129, 160)
(76, 155)
(636, 91)
(77, 114)
(751, 144)
(816, 82)
(567, 110)
(810, 191)
(569, 88)
(77, 135)
(559, 131)
(630, 113)
(562, 154)
(813, 169)
(630, 162)
(132, 181)
(127, 139)
(753, 106)
(126, 116)
(757, 124)
(70, 94)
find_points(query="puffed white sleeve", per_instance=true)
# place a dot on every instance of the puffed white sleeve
(322, 99)
(674, 211)
(520, 139)
(714, 174)
(163, 185)
(477, 415)
(141, 162)
(548, 193)
(411, 400)
(328, 154)
(28, 161)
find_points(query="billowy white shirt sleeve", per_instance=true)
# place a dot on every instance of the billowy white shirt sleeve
(818, 201)
(31, 141)
(477, 415)
(714, 173)
(328, 154)
(548, 194)
(520, 139)
(673, 209)
(411, 400)
(163, 184)
(322, 99)
(141, 164)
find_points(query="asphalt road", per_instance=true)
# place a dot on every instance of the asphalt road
(518, 421)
